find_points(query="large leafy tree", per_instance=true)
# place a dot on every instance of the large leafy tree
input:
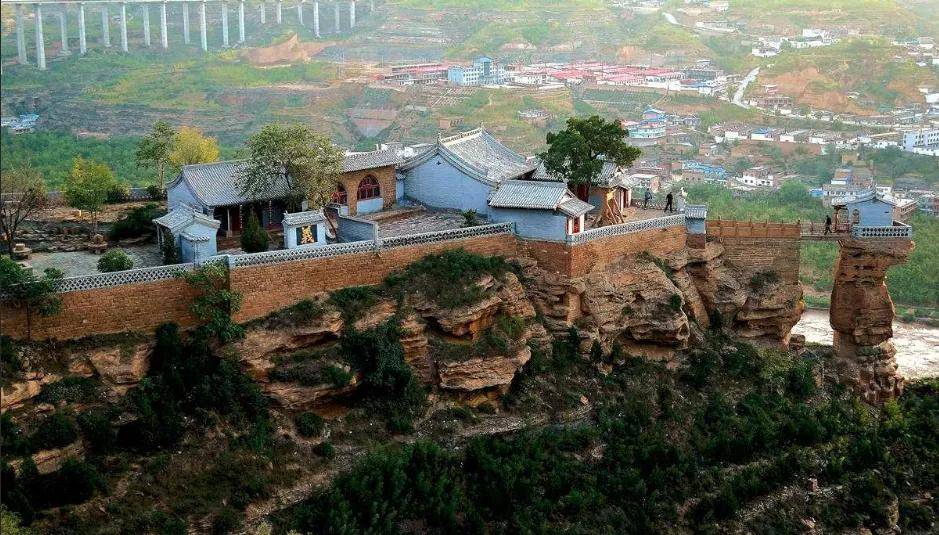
(35, 294)
(577, 153)
(308, 162)
(191, 146)
(22, 193)
(155, 148)
(87, 187)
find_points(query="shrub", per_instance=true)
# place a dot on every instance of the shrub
(215, 303)
(136, 222)
(674, 302)
(97, 430)
(309, 424)
(114, 260)
(170, 250)
(339, 377)
(118, 194)
(226, 521)
(71, 390)
(760, 280)
(154, 192)
(12, 440)
(448, 279)
(54, 432)
(596, 351)
(254, 239)
(325, 450)
(800, 381)
(353, 301)
(470, 218)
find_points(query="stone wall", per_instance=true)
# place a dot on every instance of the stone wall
(266, 288)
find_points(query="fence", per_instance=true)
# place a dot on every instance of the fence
(626, 228)
(895, 231)
(752, 229)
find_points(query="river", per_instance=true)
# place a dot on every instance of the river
(917, 345)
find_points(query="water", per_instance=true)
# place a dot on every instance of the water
(917, 345)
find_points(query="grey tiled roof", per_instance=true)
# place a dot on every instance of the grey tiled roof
(217, 184)
(610, 175)
(182, 216)
(479, 155)
(538, 195)
(302, 218)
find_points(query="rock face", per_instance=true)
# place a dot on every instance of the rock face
(862, 316)
(482, 373)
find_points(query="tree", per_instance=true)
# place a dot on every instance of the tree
(154, 149)
(191, 146)
(307, 162)
(169, 249)
(254, 239)
(577, 153)
(215, 303)
(22, 193)
(25, 290)
(87, 187)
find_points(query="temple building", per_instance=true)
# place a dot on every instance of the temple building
(367, 184)
(543, 210)
(460, 172)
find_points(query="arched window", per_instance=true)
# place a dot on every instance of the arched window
(339, 196)
(368, 188)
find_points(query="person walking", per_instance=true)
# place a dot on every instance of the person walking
(827, 225)
(668, 203)
(646, 198)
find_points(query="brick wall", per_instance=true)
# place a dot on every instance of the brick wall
(266, 288)
(272, 287)
(753, 255)
(757, 229)
(128, 307)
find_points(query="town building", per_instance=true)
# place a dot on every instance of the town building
(483, 71)
(922, 141)
(544, 210)
(759, 176)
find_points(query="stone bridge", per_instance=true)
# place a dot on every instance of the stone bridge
(862, 311)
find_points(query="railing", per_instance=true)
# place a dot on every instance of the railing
(626, 228)
(117, 278)
(444, 235)
(696, 211)
(895, 231)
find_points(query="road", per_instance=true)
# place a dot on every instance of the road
(738, 96)
(671, 19)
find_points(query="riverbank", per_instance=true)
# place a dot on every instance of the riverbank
(917, 344)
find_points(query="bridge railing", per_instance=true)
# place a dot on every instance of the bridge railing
(897, 230)
(626, 228)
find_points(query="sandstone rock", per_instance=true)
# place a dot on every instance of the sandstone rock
(261, 344)
(121, 366)
(481, 373)
(293, 396)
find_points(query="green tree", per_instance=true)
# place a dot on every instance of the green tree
(191, 146)
(215, 303)
(254, 239)
(23, 193)
(577, 153)
(306, 162)
(87, 187)
(154, 149)
(169, 249)
(35, 294)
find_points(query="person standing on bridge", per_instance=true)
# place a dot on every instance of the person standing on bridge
(827, 224)
(668, 202)
(646, 198)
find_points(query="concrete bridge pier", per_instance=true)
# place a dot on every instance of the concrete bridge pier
(202, 33)
(336, 17)
(278, 12)
(105, 26)
(262, 10)
(300, 12)
(316, 19)
(124, 26)
(164, 35)
(145, 11)
(225, 24)
(352, 14)
(63, 30)
(241, 22)
(40, 42)
(20, 36)
(82, 41)
(186, 22)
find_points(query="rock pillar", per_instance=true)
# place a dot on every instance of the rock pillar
(40, 42)
(186, 22)
(241, 22)
(862, 316)
(124, 27)
(82, 39)
(20, 36)
(105, 26)
(225, 24)
(316, 19)
(202, 34)
(63, 29)
(164, 33)
(145, 12)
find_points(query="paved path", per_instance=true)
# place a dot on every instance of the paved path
(86, 263)
(738, 96)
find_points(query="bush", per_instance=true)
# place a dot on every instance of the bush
(154, 192)
(170, 250)
(470, 218)
(118, 194)
(114, 260)
(12, 440)
(71, 390)
(762, 279)
(325, 450)
(309, 424)
(136, 222)
(339, 377)
(254, 239)
(54, 432)
(353, 301)
(97, 430)
(226, 521)
(448, 279)
(674, 302)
